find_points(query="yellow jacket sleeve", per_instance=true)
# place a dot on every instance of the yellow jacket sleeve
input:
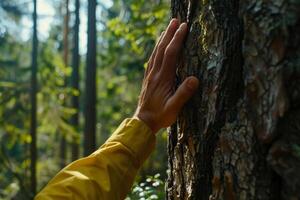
(109, 172)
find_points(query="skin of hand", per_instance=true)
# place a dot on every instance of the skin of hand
(159, 104)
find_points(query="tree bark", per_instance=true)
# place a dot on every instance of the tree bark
(90, 83)
(239, 136)
(75, 81)
(33, 123)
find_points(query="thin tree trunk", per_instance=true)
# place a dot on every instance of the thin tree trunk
(33, 124)
(238, 137)
(66, 34)
(63, 142)
(90, 83)
(75, 81)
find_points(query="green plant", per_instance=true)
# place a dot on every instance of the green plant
(151, 188)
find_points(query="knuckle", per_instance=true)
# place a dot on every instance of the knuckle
(155, 78)
(170, 51)
(152, 79)
(162, 45)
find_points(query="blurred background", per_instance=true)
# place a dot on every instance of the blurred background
(71, 77)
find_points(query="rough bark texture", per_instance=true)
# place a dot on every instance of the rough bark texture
(239, 137)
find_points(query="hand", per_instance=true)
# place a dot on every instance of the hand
(158, 104)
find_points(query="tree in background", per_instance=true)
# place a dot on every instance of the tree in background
(15, 74)
(127, 33)
(238, 138)
(90, 82)
(33, 123)
(63, 142)
(52, 113)
(75, 81)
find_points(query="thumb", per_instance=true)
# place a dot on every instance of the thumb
(183, 93)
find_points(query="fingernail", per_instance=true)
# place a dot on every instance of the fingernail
(173, 21)
(193, 83)
(183, 26)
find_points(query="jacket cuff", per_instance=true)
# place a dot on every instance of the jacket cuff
(137, 136)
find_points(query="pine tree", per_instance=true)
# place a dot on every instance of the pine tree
(90, 82)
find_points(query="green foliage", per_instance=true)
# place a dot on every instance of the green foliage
(14, 123)
(53, 111)
(151, 188)
(53, 92)
(126, 40)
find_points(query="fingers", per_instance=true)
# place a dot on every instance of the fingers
(173, 49)
(183, 94)
(173, 26)
(151, 60)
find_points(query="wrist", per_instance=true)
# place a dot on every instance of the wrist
(147, 120)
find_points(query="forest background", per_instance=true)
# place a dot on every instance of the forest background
(126, 31)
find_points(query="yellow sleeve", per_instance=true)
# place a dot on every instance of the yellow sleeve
(109, 172)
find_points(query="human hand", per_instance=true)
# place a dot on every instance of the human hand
(159, 104)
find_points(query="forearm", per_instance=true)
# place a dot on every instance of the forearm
(109, 172)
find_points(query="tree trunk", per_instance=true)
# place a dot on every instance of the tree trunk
(239, 136)
(90, 83)
(63, 142)
(75, 81)
(33, 148)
